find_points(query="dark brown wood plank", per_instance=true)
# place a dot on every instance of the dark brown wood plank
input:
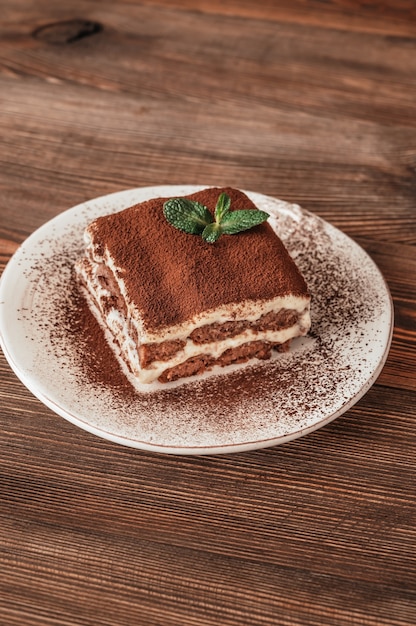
(318, 126)
(360, 540)
(386, 16)
(311, 102)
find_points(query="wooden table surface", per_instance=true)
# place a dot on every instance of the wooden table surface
(312, 102)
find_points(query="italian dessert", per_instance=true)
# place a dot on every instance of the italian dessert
(174, 304)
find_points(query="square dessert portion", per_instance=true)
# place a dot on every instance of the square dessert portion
(173, 305)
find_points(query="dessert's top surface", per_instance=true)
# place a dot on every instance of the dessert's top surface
(171, 276)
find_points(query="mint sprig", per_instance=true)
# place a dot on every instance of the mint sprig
(194, 218)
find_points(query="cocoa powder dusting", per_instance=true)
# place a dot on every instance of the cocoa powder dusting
(170, 275)
(98, 361)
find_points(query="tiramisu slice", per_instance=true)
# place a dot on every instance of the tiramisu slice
(175, 305)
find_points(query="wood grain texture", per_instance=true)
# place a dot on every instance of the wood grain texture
(385, 16)
(312, 102)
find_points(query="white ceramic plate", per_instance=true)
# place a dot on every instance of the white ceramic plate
(42, 332)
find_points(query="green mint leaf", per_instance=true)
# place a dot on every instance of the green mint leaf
(187, 215)
(195, 218)
(212, 232)
(223, 207)
(237, 221)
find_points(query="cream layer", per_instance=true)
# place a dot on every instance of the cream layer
(120, 326)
